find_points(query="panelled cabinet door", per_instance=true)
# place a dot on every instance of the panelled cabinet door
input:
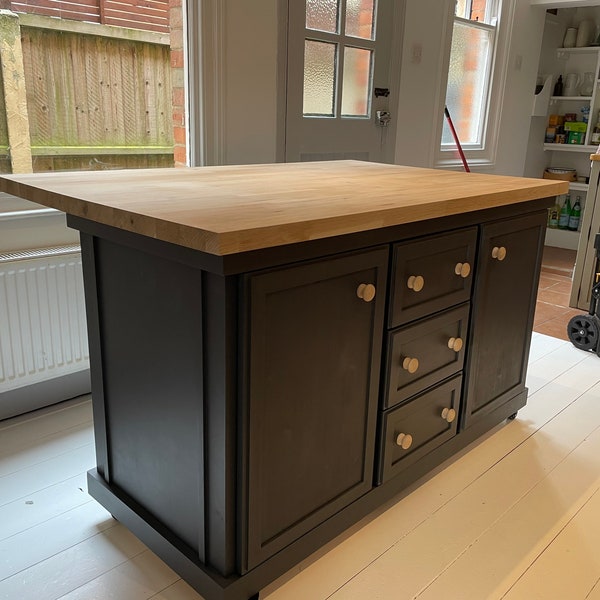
(502, 318)
(314, 342)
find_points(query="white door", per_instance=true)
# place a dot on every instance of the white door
(338, 78)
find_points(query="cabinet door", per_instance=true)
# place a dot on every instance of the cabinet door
(502, 312)
(314, 362)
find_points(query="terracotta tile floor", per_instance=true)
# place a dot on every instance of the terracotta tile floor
(552, 311)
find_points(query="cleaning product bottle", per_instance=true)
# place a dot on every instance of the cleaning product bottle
(565, 212)
(575, 215)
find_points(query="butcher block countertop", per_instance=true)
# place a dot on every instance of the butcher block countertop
(231, 209)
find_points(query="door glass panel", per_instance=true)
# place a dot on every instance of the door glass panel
(320, 60)
(322, 15)
(360, 18)
(357, 82)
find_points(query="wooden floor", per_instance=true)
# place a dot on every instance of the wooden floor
(516, 516)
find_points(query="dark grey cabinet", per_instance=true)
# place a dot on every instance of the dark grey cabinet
(303, 386)
(315, 346)
(502, 315)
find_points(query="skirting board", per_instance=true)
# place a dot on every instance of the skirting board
(31, 397)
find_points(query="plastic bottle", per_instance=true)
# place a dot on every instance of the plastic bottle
(575, 215)
(565, 212)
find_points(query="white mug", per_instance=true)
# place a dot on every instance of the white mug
(572, 83)
(584, 33)
(570, 38)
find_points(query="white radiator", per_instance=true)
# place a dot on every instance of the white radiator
(43, 331)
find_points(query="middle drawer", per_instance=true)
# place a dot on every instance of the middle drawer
(424, 353)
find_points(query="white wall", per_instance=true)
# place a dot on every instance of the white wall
(251, 55)
(252, 126)
(421, 101)
(423, 76)
(524, 48)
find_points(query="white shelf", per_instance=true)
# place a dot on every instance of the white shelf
(570, 148)
(584, 50)
(541, 101)
(562, 238)
(579, 187)
(570, 98)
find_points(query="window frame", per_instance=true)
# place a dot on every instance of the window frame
(499, 13)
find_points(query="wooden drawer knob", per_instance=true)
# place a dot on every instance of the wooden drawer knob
(449, 414)
(463, 269)
(415, 283)
(404, 440)
(455, 344)
(410, 364)
(499, 252)
(366, 291)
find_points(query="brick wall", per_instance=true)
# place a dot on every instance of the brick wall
(177, 79)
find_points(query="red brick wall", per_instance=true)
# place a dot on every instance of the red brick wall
(478, 10)
(177, 79)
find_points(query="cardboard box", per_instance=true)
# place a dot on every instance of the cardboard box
(575, 137)
(579, 126)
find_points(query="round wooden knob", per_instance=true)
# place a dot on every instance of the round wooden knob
(410, 364)
(404, 440)
(449, 414)
(499, 252)
(463, 269)
(455, 344)
(415, 283)
(366, 291)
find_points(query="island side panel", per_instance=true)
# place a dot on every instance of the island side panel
(149, 324)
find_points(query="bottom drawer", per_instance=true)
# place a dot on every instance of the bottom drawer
(417, 427)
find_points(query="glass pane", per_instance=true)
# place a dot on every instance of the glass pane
(322, 15)
(357, 82)
(320, 60)
(360, 18)
(466, 97)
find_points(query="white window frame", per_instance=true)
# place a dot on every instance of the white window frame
(483, 154)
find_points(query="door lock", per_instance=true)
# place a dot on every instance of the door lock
(382, 118)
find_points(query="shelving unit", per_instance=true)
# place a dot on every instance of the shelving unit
(580, 61)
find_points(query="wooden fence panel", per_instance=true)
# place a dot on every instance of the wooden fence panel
(95, 91)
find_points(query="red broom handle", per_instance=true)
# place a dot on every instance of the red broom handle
(456, 140)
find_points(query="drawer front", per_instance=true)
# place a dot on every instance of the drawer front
(425, 353)
(431, 275)
(414, 429)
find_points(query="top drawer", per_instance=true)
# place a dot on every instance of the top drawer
(431, 274)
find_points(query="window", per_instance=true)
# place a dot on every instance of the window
(338, 58)
(470, 76)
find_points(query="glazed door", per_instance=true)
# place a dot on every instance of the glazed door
(338, 78)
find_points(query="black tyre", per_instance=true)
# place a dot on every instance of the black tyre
(583, 332)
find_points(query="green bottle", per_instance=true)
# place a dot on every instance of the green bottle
(565, 212)
(575, 215)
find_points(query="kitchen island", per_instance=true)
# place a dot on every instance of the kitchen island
(277, 350)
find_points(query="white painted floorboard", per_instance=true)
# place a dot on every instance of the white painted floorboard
(515, 516)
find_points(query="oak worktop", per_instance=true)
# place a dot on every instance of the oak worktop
(230, 209)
